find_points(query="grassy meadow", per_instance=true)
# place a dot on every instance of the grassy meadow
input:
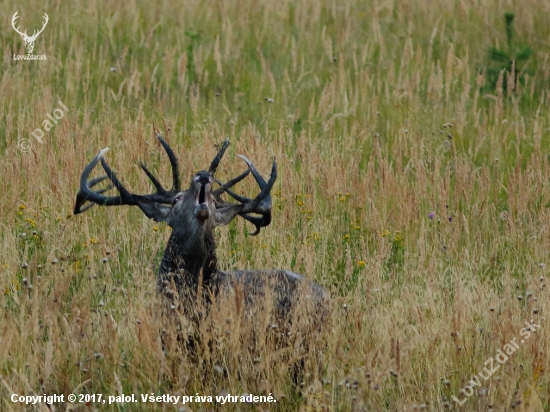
(413, 185)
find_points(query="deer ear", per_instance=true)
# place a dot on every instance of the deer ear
(153, 210)
(226, 214)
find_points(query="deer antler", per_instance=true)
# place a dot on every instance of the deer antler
(150, 204)
(261, 204)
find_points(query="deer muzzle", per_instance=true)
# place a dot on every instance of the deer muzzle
(202, 209)
(202, 212)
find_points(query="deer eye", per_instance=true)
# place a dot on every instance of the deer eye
(176, 199)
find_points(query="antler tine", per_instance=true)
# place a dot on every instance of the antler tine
(224, 187)
(258, 221)
(91, 184)
(85, 194)
(153, 179)
(221, 150)
(176, 183)
(213, 167)
(125, 195)
(261, 204)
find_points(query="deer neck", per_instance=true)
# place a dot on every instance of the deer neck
(190, 255)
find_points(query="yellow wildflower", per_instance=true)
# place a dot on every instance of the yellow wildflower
(398, 237)
(31, 222)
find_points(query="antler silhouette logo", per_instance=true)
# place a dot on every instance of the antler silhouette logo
(29, 40)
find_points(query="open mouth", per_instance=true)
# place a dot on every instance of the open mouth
(202, 195)
(202, 210)
(203, 183)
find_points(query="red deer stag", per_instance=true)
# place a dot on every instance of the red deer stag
(189, 264)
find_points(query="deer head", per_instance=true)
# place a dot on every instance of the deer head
(29, 40)
(192, 213)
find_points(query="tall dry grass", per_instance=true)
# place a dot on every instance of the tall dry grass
(413, 193)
